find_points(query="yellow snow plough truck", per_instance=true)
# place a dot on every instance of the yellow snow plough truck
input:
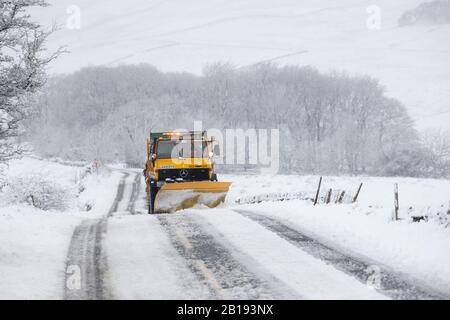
(180, 172)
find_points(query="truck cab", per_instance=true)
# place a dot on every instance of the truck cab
(180, 161)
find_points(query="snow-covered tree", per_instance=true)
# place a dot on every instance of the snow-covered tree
(437, 146)
(429, 12)
(329, 123)
(22, 65)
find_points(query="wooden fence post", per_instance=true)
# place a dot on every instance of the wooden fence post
(329, 195)
(341, 197)
(318, 191)
(357, 193)
(396, 205)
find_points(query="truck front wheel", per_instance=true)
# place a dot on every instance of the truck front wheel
(153, 192)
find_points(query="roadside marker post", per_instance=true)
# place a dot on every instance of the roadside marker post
(396, 204)
(318, 191)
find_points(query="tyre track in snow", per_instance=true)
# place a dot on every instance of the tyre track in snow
(386, 282)
(213, 263)
(134, 194)
(86, 267)
(119, 195)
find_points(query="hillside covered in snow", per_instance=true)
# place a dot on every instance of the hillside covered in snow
(358, 37)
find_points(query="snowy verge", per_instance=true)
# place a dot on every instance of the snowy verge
(34, 242)
(60, 187)
(33, 247)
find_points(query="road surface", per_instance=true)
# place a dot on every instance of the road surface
(215, 254)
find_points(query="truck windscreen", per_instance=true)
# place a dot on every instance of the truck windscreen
(168, 149)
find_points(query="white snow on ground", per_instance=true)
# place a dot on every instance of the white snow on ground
(144, 264)
(65, 177)
(376, 191)
(308, 276)
(34, 243)
(100, 192)
(141, 205)
(179, 35)
(33, 247)
(421, 250)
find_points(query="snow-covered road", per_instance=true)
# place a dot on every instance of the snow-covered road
(216, 254)
(86, 266)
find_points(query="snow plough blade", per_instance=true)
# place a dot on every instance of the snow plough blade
(173, 197)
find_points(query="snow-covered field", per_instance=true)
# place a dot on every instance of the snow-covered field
(178, 35)
(376, 192)
(34, 242)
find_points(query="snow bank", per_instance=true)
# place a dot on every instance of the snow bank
(33, 248)
(99, 193)
(38, 190)
(52, 186)
(34, 242)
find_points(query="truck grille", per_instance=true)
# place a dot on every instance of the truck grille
(197, 174)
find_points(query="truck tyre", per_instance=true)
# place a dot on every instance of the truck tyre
(153, 192)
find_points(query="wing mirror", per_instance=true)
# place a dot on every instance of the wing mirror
(153, 158)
